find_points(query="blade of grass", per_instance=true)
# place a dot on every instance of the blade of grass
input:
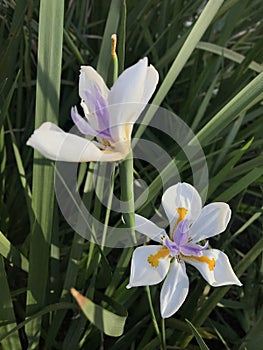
(240, 185)
(47, 106)
(110, 28)
(110, 323)
(12, 254)
(248, 96)
(188, 47)
(229, 54)
(7, 313)
(198, 337)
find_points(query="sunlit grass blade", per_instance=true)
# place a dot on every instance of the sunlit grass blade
(47, 106)
(198, 337)
(248, 96)
(110, 323)
(7, 313)
(12, 254)
(229, 54)
(240, 185)
(188, 47)
(110, 28)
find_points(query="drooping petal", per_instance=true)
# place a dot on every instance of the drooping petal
(213, 220)
(215, 268)
(81, 123)
(142, 272)
(181, 195)
(53, 143)
(174, 289)
(149, 229)
(88, 79)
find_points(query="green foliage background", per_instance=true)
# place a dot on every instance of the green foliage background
(214, 82)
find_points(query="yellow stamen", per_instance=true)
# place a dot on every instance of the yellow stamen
(182, 212)
(210, 262)
(106, 143)
(153, 259)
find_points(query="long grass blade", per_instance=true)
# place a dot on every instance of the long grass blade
(47, 106)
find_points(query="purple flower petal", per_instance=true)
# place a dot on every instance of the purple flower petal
(181, 233)
(172, 246)
(81, 123)
(191, 249)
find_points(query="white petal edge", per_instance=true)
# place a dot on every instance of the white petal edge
(181, 195)
(213, 220)
(151, 81)
(222, 275)
(149, 229)
(88, 77)
(143, 273)
(174, 289)
(125, 98)
(129, 86)
(53, 143)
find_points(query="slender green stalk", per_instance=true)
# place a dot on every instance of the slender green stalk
(47, 107)
(127, 195)
(163, 334)
(155, 324)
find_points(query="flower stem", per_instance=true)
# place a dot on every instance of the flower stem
(127, 195)
(155, 324)
(163, 334)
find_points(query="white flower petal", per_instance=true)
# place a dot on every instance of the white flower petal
(142, 272)
(87, 79)
(174, 289)
(221, 275)
(53, 143)
(181, 195)
(149, 229)
(213, 220)
(150, 83)
(125, 98)
(129, 88)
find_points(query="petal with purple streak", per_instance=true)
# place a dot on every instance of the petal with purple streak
(172, 246)
(191, 249)
(181, 233)
(81, 123)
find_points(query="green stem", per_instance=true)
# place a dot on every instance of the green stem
(163, 334)
(127, 195)
(155, 324)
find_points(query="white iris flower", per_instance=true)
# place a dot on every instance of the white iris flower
(189, 224)
(109, 117)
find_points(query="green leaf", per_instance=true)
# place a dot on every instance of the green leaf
(108, 322)
(198, 337)
(240, 185)
(188, 47)
(47, 108)
(229, 54)
(7, 313)
(110, 28)
(12, 254)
